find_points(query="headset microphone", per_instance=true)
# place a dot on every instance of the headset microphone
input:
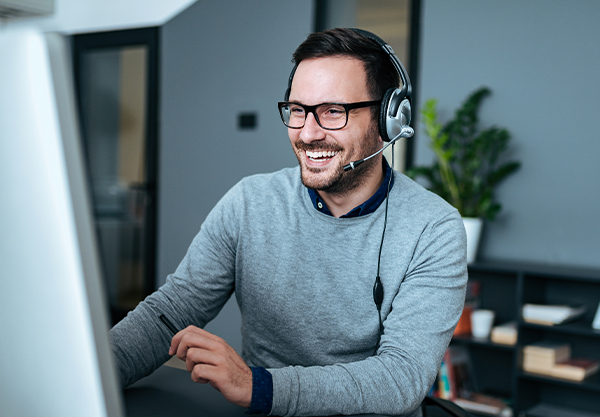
(405, 132)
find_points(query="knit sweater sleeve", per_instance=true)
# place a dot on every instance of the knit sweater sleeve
(193, 295)
(421, 318)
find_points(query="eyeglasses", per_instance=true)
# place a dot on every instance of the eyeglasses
(330, 116)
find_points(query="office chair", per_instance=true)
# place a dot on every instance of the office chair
(437, 407)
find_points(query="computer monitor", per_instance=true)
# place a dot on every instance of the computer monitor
(55, 358)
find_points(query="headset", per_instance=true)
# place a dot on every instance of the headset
(393, 123)
(395, 109)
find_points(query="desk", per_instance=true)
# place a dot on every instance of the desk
(171, 392)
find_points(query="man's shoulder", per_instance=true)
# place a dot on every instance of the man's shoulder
(268, 187)
(286, 175)
(258, 194)
(416, 198)
(286, 178)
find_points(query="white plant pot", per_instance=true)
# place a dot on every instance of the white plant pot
(473, 229)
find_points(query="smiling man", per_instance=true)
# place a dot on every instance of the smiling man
(350, 284)
(322, 153)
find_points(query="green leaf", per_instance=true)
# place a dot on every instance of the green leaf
(466, 169)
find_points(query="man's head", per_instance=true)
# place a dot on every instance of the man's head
(339, 66)
(380, 72)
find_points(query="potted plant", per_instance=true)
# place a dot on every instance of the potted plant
(467, 167)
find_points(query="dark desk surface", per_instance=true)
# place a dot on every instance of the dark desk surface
(171, 392)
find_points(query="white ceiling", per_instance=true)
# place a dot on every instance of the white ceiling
(78, 16)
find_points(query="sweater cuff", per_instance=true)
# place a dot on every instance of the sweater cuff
(262, 391)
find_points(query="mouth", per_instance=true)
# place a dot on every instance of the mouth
(320, 157)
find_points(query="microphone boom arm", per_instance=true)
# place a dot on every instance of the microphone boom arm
(406, 132)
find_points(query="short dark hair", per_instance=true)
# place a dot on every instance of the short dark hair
(381, 73)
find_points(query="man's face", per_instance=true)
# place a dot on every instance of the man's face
(323, 153)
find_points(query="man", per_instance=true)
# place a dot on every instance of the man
(302, 248)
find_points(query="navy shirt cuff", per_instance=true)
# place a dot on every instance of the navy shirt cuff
(262, 391)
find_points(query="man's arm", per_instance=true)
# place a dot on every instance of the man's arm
(193, 295)
(141, 342)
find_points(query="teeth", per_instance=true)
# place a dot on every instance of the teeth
(320, 154)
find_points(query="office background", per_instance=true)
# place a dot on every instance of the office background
(219, 59)
(540, 60)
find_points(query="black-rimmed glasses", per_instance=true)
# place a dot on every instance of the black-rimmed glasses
(330, 116)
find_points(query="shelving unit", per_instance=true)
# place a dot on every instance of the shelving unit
(505, 288)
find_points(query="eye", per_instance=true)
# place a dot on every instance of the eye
(332, 111)
(296, 110)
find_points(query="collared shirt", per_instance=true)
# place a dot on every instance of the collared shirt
(262, 382)
(367, 207)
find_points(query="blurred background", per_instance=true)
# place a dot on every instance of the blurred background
(178, 102)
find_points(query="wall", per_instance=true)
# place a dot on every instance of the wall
(220, 58)
(541, 60)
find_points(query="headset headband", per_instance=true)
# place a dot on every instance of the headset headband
(406, 90)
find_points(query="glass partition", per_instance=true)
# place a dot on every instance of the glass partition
(394, 21)
(115, 91)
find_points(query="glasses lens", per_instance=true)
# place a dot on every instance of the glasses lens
(328, 115)
(293, 115)
(332, 116)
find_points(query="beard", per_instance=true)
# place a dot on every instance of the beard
(339, 182)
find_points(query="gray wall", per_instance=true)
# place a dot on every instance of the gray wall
(220, 58)
(541, 60)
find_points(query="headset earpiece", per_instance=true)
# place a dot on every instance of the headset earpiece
(395, 113)
(383, 112)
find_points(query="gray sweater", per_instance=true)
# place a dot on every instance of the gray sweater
(303, 281)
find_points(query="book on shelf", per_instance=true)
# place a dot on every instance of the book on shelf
(505, 334)
(462, 371)
(551, 314)
(557, 351)
(463, 327)
(554, 359)
(596, 322)
(484, 404)
(456, 378)
(537, 365)
(456, 382)
(575, 369)
(446, 388)
(541, 356)
(550, 410)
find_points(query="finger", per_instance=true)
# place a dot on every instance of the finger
(235, 385)
(176, 340)
(211, 374)
(195, 339)
(199, 375)
(206, 357)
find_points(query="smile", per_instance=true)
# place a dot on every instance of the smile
(320, 155)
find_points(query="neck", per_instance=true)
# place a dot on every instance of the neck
(340, 204)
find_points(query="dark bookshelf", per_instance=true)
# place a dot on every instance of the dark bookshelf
(505, 287)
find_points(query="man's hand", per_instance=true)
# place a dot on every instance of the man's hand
(211, 360)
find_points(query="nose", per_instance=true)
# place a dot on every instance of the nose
(311, 130)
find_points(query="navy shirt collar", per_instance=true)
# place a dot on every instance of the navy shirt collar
(365, 208)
